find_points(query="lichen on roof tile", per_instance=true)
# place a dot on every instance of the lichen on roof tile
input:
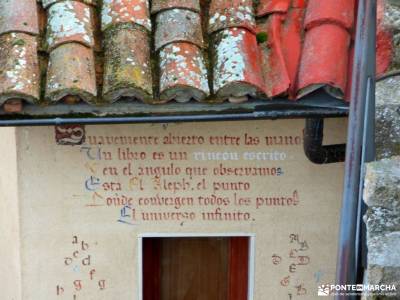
(69, 21)
(47, 3)
(126, 11)
(165, 50)
(127, 70)
(237, 69)
(178, 25)
(19, 68)
(19, 16)
(159, 5)
(71, 71)
(231, 13)
(183, 73)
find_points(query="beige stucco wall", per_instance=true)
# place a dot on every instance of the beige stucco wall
(10, 270)
(55, 207)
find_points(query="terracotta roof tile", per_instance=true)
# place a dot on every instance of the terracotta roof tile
(208, 50)
(178, 25)
(19, 62)
(330, 11)
(19, 16)
(69, 21)
(237, 69)
(127, 70)
(272, 6)
(71, 72)
(292, 39)
(276, 74)
(126, 11)
(47, 3)
(327, 44)
(231, 13)
(323, 69)
(159, 5)
(183, 74)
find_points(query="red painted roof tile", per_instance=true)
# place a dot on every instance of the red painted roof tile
(299, 3)
(384, 43)
(282, 51)
(159, 5)
(231, 13)
(126, 11)
(237, 69)
(102, 51)
(330, 11)
(292, 39)
(178, 25)
(276, 74)
(19, 16)
(325, 60)
(266, 7)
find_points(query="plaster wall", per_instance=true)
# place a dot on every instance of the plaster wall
(10, 246)
(73, 218)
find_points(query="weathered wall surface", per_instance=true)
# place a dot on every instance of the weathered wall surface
(10, 270)
(83, 207)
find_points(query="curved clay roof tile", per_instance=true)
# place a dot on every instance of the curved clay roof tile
(127, 69)
(159, 5)
(71, 71)
(178, 25)
(69, 21)
(237, 68)
(19, 16)
(266, 7)
(47, 3)
(19, 67)
(183, 73)
(231, 13)
(125, 11)
(330, 11)
(276, 75)
(325, 60)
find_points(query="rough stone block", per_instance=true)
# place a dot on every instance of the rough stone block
(388, 117)
(383, 275)
(382, 194)
(381, 220)
(382, 184)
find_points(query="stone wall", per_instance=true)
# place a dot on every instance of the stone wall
(382, 195)
(382, 181)
(391, 21)
(388, 117)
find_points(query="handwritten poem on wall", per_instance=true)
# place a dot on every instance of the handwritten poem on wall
(186, 178)
(197, 178)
